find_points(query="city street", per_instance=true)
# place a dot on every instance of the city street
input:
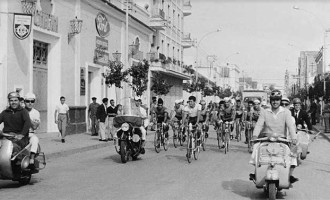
(99, 174)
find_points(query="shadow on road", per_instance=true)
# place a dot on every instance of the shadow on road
(179, 158)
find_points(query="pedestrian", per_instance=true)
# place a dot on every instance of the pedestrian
(92, 108)
(153, 105)
(62, 117)
(300, 115)
(101, 116)
(112, 113)
(318, 111)
(34, 114)
(120, 109)
(326, 116)
(312, 110)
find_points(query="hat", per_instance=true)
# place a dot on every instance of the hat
(263, 103)
(13, 95)
(178, 101)
(256, 101)
(226, 99)
(137, 98)
(93, 98)
(203, 102)
(30, 96)
(285, 99)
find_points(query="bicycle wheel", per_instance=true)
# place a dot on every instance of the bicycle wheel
(238, 131)
(203, 141)
(166, 142)
(219, 138)
(175, 138)
(197, 148)
(157, 141)
(189, 149)
(226, 142)
(250, 145)
(180, 137)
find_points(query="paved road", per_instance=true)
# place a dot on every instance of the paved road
(99, 174)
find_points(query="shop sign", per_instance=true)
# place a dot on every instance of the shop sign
(101, 43)
(101, 57)
(102, 25)
(22, 25)
(82, 82)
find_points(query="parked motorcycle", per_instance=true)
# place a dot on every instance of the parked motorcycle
(16, 165)
(129, 136)
(272, 164)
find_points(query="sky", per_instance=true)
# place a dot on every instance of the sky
(268, 34)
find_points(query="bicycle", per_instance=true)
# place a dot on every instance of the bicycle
(219, 133)
(177, 138)
(192, 143)
(238, 127)
(160, 139)
(202, 137)
(249, 135)
(227, 130)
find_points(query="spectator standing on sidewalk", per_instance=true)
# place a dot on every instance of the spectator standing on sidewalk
(92, 108)
(62, 118)
(112, 113)
(318, 110)
(312, 111)
(153, 105)
(120, 109)
(326, 116)
(101, 116)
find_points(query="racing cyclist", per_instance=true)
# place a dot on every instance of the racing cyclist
(192, 113)
(176, 115)
(248, 118)
(239, 110)
(205, 113)
(160, 114)
(227, 114)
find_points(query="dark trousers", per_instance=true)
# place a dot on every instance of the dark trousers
(94, 125)
(313, 116)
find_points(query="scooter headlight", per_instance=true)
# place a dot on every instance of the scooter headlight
(125, 126)
(272, 139)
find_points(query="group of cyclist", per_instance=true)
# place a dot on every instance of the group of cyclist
(200, 113)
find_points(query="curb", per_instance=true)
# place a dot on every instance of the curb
(325, 136)
(56, 155)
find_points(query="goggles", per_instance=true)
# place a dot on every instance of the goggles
(29, 101)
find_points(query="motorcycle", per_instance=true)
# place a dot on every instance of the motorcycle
(304, 138)
(129, 136)
(15, 166)
(272, 164)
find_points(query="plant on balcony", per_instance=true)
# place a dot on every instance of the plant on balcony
(159, 85)
(139, 74)
(168, 60)
(174, 61)
(116, 75)
(188, 69)
(162, 58)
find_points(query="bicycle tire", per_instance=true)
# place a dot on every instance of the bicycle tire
(226, 142)
(189, 149)
(218, 138)
(197, 147)
(249, 141)
(180, 137)
(203, 141)
(175, 139)
(157, 142)
(166, 142)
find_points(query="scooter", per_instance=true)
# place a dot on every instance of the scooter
(304, 138)
(272, 164)
(16, 165)
(129, 137)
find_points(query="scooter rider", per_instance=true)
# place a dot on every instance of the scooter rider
(16, 121)
(274, 120)
(29, 100)
(160, 113)
(255, 113)
(205, 116)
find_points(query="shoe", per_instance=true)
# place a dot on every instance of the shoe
(63, 140)
(206, 135)
(110, 139)
(231, 137)
(184, 138)
(293, 179)
(252, 177)
(94, 134)
(142, 151)
(245, 142)
(236, 137)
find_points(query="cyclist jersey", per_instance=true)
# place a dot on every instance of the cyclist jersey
(226, 114)
(160, 114)
(255, 115)
(178, 112)
(192, 113)
(204, 112)
(239, 111)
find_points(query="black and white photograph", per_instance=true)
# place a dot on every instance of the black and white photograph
(164, 99)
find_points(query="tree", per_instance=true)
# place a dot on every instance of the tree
(116, 75)
(159, 85)
(139, 73)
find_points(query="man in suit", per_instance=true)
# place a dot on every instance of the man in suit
(101, 116)
(300, 115)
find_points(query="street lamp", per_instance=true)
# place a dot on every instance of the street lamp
(204, 36)
(324, 44)
(226, 60)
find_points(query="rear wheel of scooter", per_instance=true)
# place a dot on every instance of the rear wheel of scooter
(123, 152)
(303, 154)
(25, 179)
(272, 191)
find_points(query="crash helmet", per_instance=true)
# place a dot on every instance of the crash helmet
(296, 101)
(256, 101)
(13, 95)
(275, 95)
(202, 102)
(30, 96)
(285, 99)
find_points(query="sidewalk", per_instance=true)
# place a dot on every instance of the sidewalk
(323, 134)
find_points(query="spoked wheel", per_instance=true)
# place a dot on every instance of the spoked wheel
(226, 142)
(166, 142)
(175, 139)
(219, 139)
(197, 148)
(180, 137)
(272, 191)
(189, 149)
(157, 141)
(238, 132)
(203, 141)
(123, 152)
(249, 142)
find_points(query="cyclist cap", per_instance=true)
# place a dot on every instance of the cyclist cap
(226, 99)
(256, 101)
(296, 101)
(30, 96)
(275, 95)
(13, 95)
(137, 98)
(203, 102)
(177, 101)
(285, 99)
(263, 103)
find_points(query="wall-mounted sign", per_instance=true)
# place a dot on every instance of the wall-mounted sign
(101, 57)
(82, 82)
(101, 43)
(22, 25)
(102, 25)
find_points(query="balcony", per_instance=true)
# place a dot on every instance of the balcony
(186, 8)
(187, 42)
(158, 20)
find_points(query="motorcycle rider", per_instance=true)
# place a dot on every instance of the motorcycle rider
(300, 115)
(239, 110)
(227, 114)
(274, 120)
(35, 120)
(160, 114)
(205, 116)
(16, 122)
(176, 114)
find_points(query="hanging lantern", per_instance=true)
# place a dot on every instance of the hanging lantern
(75, 28)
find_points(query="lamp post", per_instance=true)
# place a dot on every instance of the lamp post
(324, 44)
(203, 37)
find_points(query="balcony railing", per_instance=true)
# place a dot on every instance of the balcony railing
(158, 13)
(186, 8)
